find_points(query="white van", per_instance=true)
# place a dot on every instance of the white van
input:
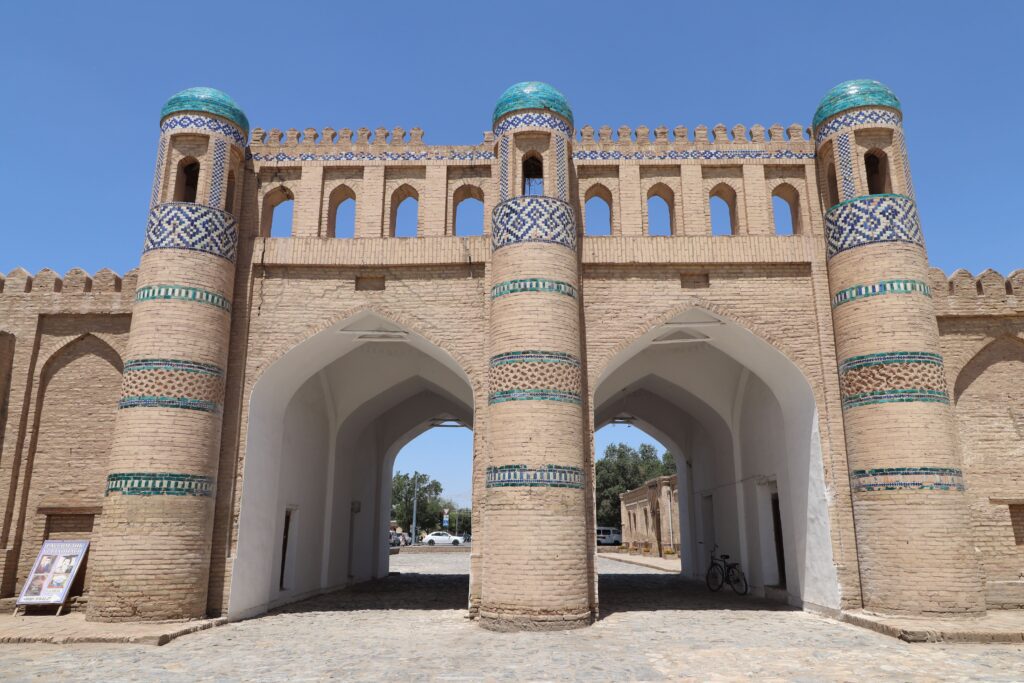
(607, 535)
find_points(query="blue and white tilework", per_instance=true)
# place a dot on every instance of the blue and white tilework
(561, 169)
(860, 117)
(504, 180)
(181, 225)
(451, 155)
(901, 146)
(683, 155)
(182, 293)
(533, 218)
(547, 476)
(845, 161)
(533, 285)
(883, 288)
(533, 120)
(872, 219)
(908, 479)
(159, 484)
(158, 174)
(217, 179)
(193, 123)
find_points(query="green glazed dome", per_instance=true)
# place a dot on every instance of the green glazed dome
(532, 95)
(210, 100)
(858, 93)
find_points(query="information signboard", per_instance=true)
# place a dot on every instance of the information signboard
(53, 573)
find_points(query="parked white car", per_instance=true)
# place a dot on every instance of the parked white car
(607, 535)
(443, 538)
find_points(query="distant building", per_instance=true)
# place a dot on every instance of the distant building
(650, 517)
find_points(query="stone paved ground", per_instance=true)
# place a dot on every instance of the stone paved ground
(411, 627)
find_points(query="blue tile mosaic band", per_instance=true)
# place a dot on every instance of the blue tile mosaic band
(178, 293)
(181, 225)
(882, 288)
(158, 174)
(852, 94)
(172, 383)
(872, 219)
(450, 155)
(217, 179)
(860, 117)
(845, 158)
(533, 218)
(561, 169)
(532, 119)
(535, 376)
(683, 155)
(504, 178)
(159, 484)
(533, 285)
(908, 479)
(548, 476)
(893, 377)
(204, 125)
(531, 95)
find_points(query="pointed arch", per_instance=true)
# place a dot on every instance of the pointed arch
(271, 201)
(998, 350)
(660, 192)
(186, 180)
(597, 203)
(725, 194)
(877, 172)
(404, 193)
(475, 195)
(338, 197)
(789, 197)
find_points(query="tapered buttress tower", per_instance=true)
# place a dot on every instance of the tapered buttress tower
(910, 510)
(153, 558)
(536, 568)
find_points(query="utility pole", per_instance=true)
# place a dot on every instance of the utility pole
(415, 495)
(456, 521)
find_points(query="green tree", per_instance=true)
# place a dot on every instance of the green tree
(624, 468)
(428, 501)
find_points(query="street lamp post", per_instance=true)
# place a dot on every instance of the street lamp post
(415, 495)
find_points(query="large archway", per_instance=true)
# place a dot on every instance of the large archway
(326, 422)
(741, 420)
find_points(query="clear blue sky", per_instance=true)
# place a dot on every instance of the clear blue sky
(83, 84)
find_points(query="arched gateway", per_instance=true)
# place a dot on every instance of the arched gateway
(803, 382)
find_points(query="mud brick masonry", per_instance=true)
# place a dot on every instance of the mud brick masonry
(222, 422)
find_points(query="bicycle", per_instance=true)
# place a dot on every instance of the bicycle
(721, 571)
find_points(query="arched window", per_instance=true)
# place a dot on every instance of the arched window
(722, 205)
(229, 196)
(468, 211)
(597, 211)
(661, 211)
(186, 185)
(786, 210)
(832, 187)
(876, 166)
(405, 209)
(341, 212)
(533, 174)
(278, 207)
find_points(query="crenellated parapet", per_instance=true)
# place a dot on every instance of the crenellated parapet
(76, 281)
(987, 294)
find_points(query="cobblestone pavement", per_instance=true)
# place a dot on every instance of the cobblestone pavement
(412, 627)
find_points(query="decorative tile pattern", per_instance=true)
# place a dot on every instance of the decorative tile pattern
(845, 158)
(872, 219)
(178, 293)
(550, 476)
(561, 169)
(169, 383)
(533, 284)
(180, 225)
(901, 145)
(531, 119)
(860, 117)
(220, 157)
(450, 155)
(535, 376)
(908, 479)
(159, 484)
(881, 288)
(533, 219)
(896, 377)
(504, 180)
(158, 174)
(861, 92)
(682, 155)
(193, 123)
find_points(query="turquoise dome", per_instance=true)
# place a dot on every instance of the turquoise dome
(210, 100)
(858, 93)
(532, 95)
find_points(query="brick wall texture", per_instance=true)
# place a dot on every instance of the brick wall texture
(941, 545)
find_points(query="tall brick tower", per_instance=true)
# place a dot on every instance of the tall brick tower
(909, 504)
(536, 568)
(152, 560)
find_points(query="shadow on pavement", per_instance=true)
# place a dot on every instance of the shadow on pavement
(652, 592)
(397, 591)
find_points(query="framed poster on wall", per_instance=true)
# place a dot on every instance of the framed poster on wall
(53, 573)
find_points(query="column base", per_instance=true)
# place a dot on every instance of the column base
(506, 622)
